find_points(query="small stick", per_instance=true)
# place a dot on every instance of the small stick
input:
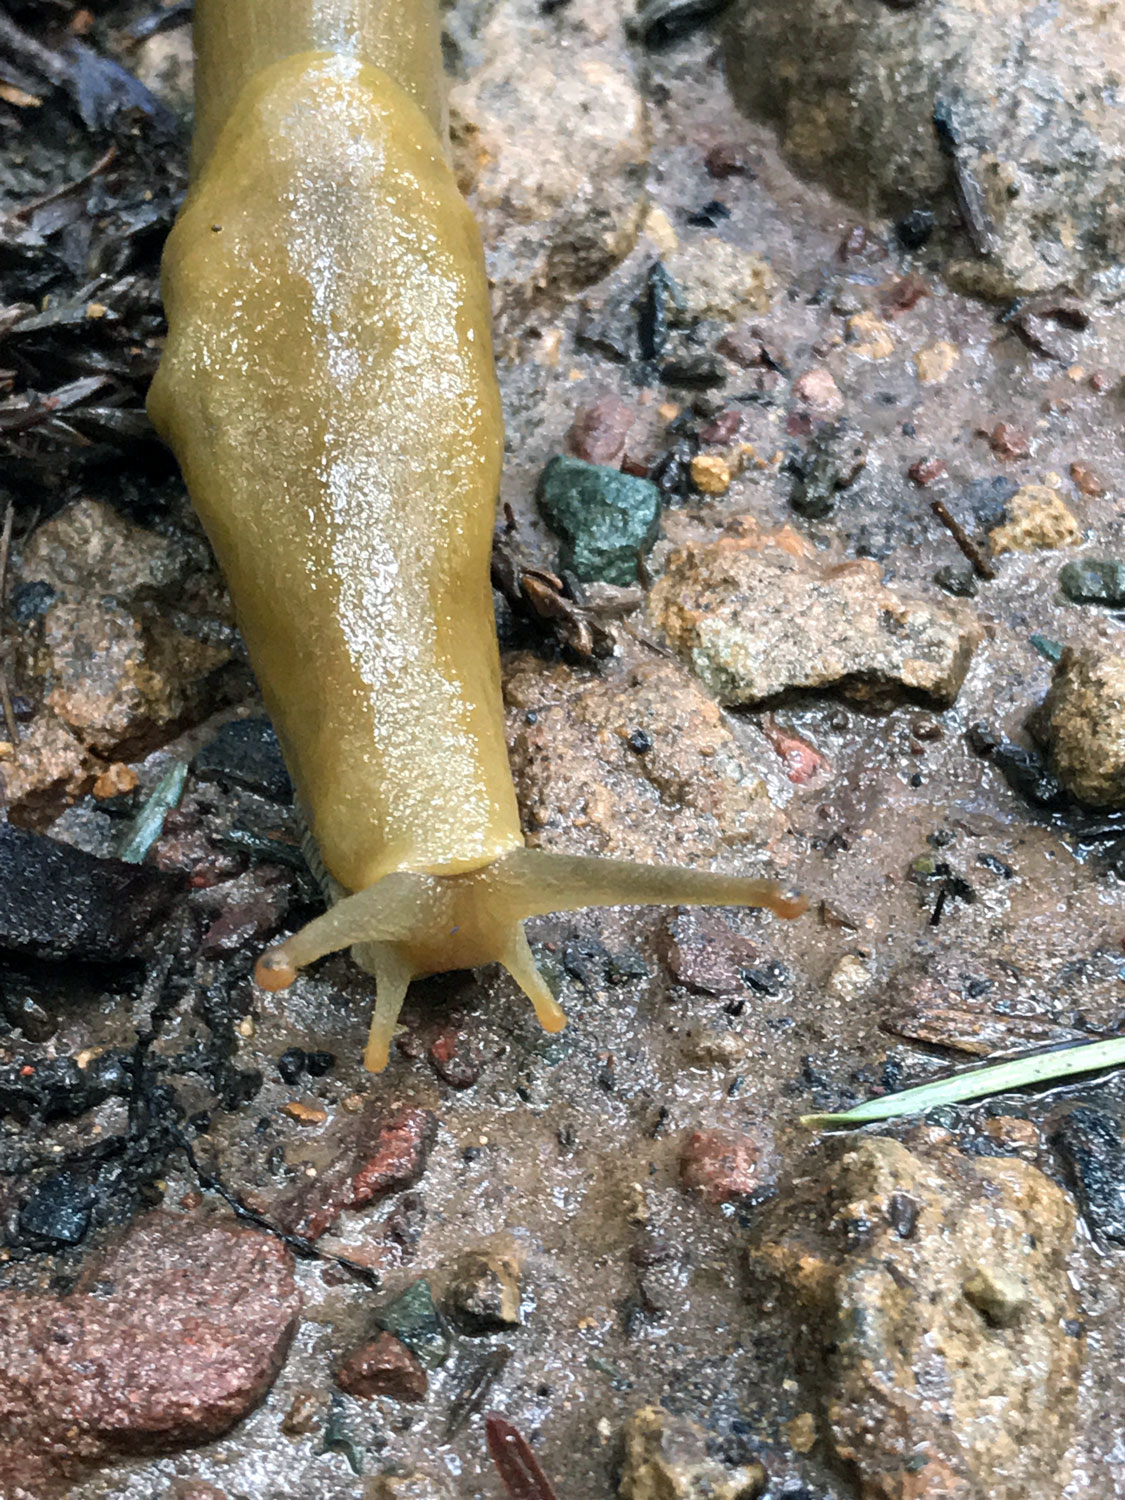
(5, 696)
(981, 564)
(68, 187)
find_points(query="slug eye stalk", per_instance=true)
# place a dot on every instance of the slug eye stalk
(408, 925)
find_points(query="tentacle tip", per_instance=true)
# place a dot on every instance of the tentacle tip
(376, 1056)
(553, 1021)
(789, 903)
(273, 971)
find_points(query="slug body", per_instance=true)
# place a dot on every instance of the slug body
(329, 390)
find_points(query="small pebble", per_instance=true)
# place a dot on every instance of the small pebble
(960, 582)
(1094, 580)
(721, 1165)
(869, 336)
(114, 781)
(305, 1114)
(1008, 441)
(927, 471)
(710, 473)
(936, 361)
(1088, 481)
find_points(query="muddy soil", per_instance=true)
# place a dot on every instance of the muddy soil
(951, 918)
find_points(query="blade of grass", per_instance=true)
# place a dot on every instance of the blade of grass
(995, 1078)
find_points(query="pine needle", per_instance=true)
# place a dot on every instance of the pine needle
(977, 1083)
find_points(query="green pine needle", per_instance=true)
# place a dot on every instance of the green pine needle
(995, 1078)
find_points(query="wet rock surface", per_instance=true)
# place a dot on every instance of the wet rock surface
(939, 1316)
(59, 902)
(365, 1160)
(554, 162)
(1083, 722)
(991, 111)
(168, 1340)
(689, 786)
(745, 609)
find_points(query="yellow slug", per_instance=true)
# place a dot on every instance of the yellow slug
(329, 390)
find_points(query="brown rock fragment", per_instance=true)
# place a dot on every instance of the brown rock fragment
(599, 431)
(483, 1295)
(1087, 480)
(1009, 441)
(635, 762)
(927, 471)
(1083, 722)
(382, 1366)
(968, 1295)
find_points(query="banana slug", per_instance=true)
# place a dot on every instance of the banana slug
(329, 390)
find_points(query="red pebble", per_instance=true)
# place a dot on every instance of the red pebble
(802, 761)
(1008, 441)
(382, 1366)
(722, 1165)
(599, 430)
(724, 428)
(927, 471)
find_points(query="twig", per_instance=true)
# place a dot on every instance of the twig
(981, 564)
(68, 187)
(12, 726)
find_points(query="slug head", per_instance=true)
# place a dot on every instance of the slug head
(408, 925)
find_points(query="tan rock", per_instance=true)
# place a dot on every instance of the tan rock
(956, 1283)
(1036, 518)
(716, 279)
(869, 337)
(753, 620)
(553, 159)
(666, 1458)
(1083, 722)
(817, 390)
(48, 765)
(710, 473)
(936, 361)
(584, 788)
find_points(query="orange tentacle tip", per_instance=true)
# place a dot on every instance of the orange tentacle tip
(273, 971)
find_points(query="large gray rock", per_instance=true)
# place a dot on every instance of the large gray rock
(1031, 96)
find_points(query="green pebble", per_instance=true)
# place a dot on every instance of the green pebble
(414, 1319)
(605, 518)
(1094, 580)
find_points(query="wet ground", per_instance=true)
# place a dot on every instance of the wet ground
(568, 1150)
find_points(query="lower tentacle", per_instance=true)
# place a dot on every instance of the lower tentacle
(409, 924)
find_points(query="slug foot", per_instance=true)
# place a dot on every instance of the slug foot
(408, 925)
